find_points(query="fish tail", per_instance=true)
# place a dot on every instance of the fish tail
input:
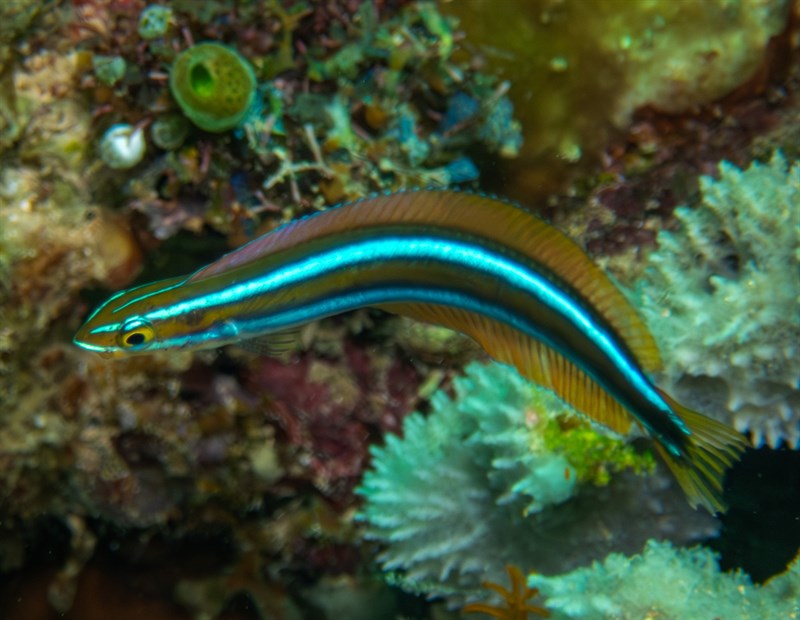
(710, 449)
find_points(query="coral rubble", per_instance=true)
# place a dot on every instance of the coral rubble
(721, 295)
(310, 113)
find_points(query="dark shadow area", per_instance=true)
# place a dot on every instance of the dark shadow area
(761, 530)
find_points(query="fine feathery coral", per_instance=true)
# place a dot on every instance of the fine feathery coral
(483, 481)
(446, 465)
(721, 296)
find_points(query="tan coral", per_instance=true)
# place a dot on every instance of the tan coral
(578, 69)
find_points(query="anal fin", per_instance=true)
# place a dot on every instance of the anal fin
(533, 359)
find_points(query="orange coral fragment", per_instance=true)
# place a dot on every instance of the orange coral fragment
(515, 601)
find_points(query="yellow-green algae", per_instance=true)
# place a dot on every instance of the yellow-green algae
(594, 455)
(579, 69)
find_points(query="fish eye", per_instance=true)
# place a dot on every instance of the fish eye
(135, 332)
(134, 338)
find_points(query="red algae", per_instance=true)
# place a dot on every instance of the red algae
(331, 410)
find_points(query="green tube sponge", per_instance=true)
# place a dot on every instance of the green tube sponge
(214, 85)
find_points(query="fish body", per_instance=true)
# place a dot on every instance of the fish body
(529, 295)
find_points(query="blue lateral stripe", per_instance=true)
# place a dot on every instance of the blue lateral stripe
(143, 297)
(462, 255)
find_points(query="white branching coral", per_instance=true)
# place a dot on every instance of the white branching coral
(623, 588)
(721, 295)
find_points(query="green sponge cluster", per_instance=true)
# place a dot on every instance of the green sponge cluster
(214, 85)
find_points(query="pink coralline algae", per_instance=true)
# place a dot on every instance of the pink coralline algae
(332, 410)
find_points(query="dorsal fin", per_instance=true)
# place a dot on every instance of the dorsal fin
(502, 222)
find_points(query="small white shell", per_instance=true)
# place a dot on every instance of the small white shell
(122, 146)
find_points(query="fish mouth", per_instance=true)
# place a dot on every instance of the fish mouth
(103, 352)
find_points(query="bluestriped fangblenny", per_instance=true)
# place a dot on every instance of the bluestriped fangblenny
(527, 293)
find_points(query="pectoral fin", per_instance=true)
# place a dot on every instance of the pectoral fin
(279, 344)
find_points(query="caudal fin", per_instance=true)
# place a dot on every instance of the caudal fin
(710, 450)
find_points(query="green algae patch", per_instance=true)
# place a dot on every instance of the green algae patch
(214, 85)
(593, 454)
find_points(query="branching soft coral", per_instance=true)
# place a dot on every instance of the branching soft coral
(721, 295)
(515, 605)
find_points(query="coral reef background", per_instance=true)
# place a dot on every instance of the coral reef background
(379, 471)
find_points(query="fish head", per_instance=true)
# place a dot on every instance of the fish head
(130, 322)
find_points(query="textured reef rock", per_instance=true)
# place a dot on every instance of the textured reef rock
(327, 410)
(171, 445)
(351, 98)
(487, 479)
(54, 239)
(16, 17)
(721, 295)
(670, 584)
